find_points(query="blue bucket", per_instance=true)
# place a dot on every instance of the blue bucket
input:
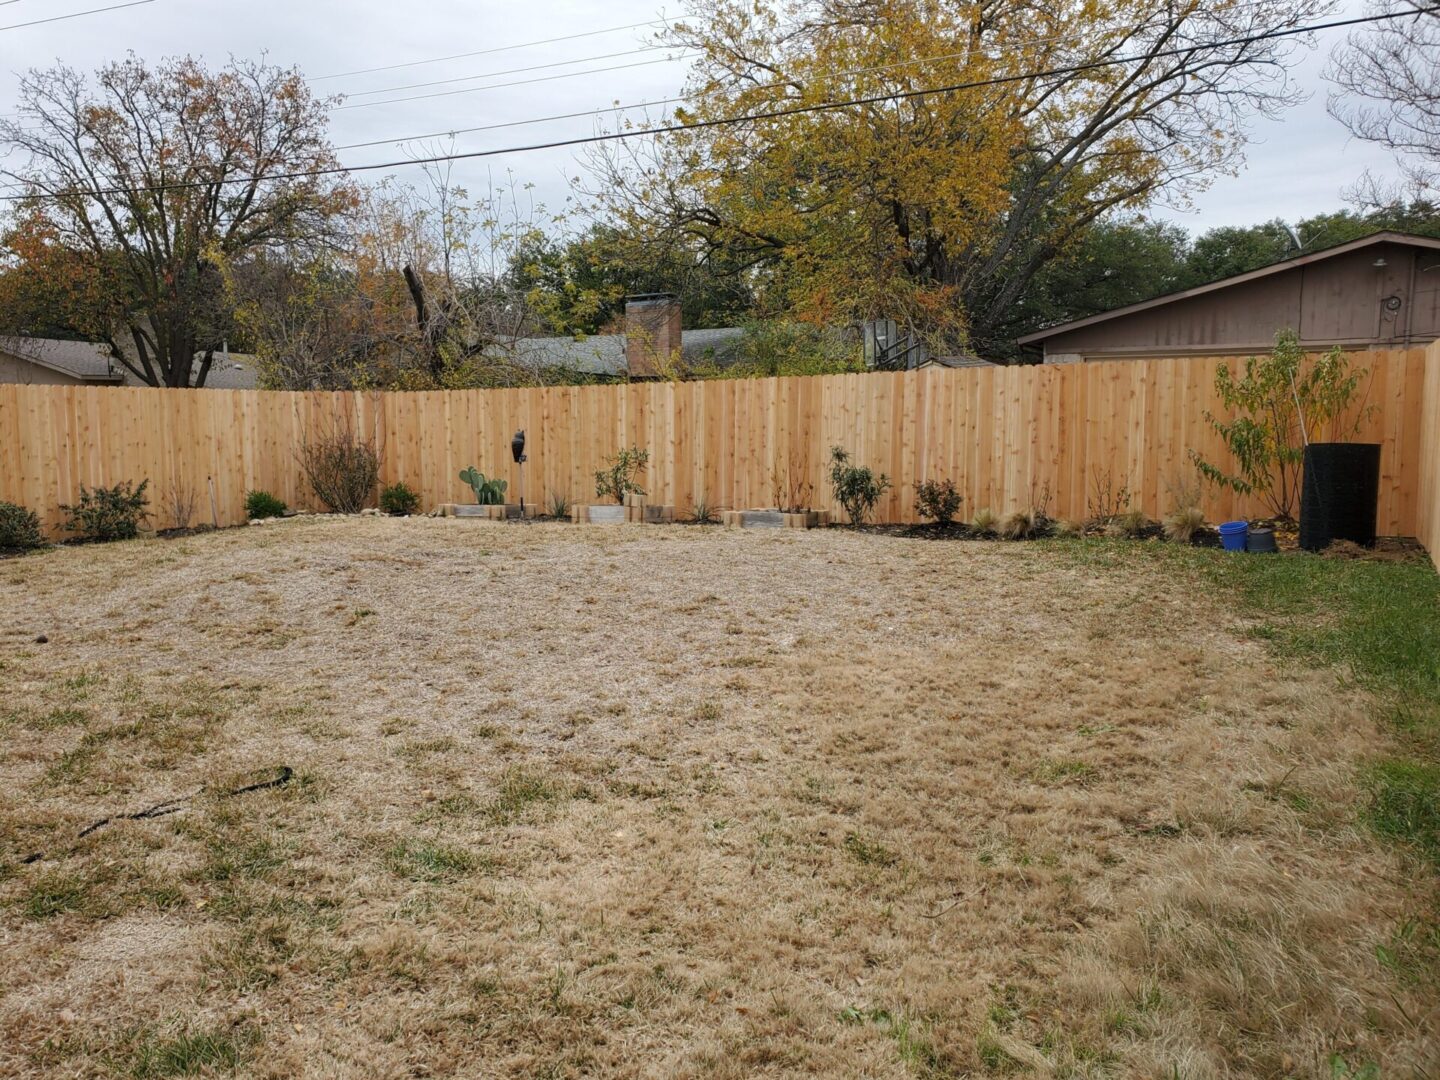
(1233, 533)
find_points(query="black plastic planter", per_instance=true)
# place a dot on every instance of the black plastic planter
(1339, 494)
(1260, 540)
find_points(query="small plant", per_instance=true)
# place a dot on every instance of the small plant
(790, 490)
(1280, 402)
(19, 528)
(618, 479)
(1130, 525)
(177, 504)
(855, 487)
(1107, 501)
(105, 514)
(261, 504)
(984, 521)
(1020, 525)
(702, 512)
(559, 505)
(938, 500)
(399, 500)
(1065, 529)
(341, 467)
(488, 492)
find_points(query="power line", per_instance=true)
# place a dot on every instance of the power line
(617, 107)
(76, 14)
(481, 52)
(515, 82)
(771, 114)
(497, 74)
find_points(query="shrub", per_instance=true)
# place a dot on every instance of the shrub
(1065, 529)
(19, 528)
(107, 513)
(855, 487)
(939, 500)
(1279, 402)
(261, 504)
(618, 478)
(341, 467)
(984, 521)
(399, 500)
(559, 505)
(177, 504)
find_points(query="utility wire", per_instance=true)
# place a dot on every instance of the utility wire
(75, 14)
(481, 52)
(515, 82)
(771, 114)
(496, 74)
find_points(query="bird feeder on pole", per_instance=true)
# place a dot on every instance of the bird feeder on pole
(517, 450)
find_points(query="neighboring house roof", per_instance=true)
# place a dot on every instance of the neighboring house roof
(1385, 237)
(90, 362)
(604, 354)
(961, 361)
(78, 359)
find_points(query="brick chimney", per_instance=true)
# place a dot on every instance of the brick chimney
(652, 333)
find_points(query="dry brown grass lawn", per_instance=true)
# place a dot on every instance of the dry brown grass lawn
(666, 802)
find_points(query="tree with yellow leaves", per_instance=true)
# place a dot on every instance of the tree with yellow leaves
(937, 209)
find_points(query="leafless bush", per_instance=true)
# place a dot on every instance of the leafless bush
(177, 504)
(1107, 501)
(341, 465)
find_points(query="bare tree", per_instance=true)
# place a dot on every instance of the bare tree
(1388, 79)
(141, 190)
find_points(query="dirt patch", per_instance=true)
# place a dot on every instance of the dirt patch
(639, 801)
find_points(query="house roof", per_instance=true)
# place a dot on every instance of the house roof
(604, 354)
(960, 361)
(1383, 237)
(92, 363)
(79, 359)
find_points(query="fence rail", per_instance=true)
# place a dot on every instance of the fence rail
(1004, 435)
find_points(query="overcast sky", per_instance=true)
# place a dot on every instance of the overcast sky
(1297, 166)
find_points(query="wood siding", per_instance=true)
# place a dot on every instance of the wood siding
(1336, 300)
(1004, 435)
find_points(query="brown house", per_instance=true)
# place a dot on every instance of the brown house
(1381, 291)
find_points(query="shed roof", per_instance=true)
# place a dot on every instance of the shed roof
(1383, 237)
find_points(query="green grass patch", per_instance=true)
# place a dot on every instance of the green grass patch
(1377, 621)
(869, 852)
(189, 1054)
(420, 861)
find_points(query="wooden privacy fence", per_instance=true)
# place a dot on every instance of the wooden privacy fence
(1004, 435)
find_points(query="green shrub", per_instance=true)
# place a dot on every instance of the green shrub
(938, 499)
(107, 513)
(617, 479)
(855, 487)
(399, 500)
(19, 528)
(261, 504)
(559, 505)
